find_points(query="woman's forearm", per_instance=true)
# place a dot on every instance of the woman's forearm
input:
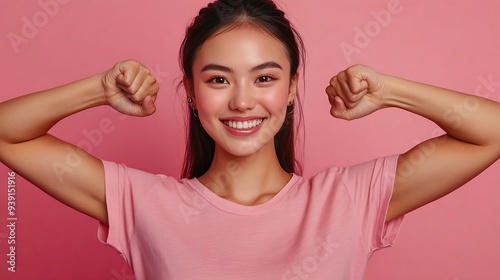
(31, 116)
(465, 117)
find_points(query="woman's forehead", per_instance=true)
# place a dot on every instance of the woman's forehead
(242, 45)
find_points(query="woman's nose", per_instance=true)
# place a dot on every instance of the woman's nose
(242, 98)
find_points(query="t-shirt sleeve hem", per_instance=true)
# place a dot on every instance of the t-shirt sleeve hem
(102, 233)
(389, 230)
(107, 233)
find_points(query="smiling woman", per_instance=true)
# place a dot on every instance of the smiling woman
(271, 37)
(254, 85)
(242, 208)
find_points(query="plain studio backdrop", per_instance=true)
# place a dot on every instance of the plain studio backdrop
(453, 44)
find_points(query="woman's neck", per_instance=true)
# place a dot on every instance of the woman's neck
(248, 180)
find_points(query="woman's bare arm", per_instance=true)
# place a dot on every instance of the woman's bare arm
(62, 170)
(470, 145)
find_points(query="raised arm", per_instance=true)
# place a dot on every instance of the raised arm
(60, 169)
(470, 145)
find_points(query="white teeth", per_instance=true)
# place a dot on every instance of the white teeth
(243, 125)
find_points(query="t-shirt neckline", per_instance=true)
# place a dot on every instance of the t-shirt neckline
(239, 209)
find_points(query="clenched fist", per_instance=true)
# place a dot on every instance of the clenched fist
(130, 88)
(355, 92)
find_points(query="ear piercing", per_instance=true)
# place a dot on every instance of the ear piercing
(193, 109)
(290, 108)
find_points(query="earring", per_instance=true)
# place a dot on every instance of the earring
(290, 108)
(190, 102)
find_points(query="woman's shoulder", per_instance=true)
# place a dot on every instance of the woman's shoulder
(356, 172)
(121, 173)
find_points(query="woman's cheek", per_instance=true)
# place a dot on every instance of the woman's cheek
(208, 100)
(277, 99)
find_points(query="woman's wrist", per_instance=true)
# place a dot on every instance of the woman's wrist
(394, 92)
(94, 91)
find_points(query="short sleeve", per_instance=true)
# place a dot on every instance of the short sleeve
(370, 185)
(125, 189)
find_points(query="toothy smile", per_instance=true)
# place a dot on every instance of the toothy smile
(243, 124)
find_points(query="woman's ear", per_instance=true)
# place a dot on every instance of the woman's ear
(294, 83)
(188, 87)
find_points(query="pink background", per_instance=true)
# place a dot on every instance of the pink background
(454, 44)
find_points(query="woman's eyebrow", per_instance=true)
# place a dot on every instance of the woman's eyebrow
(265, 65)
(216, 67)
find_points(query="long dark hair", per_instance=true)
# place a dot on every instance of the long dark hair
(263, 14)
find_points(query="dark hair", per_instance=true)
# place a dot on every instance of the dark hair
(262, 14)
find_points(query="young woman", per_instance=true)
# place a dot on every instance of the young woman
(254, 216)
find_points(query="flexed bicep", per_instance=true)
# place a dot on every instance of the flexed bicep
(434, 169)
(438, 166)
(60, 169)
(63, 171)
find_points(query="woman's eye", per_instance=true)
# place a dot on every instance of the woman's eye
(264, 79)
(219, 80)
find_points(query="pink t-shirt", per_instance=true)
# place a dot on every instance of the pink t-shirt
(325, 227)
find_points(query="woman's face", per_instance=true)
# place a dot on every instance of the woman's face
(242, 86)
